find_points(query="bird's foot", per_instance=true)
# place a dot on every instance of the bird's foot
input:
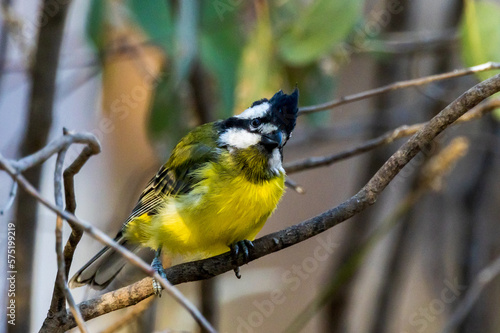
(243, 247)
(158, 267)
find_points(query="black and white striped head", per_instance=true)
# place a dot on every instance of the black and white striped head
(267, 123)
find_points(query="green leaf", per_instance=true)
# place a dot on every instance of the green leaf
(317, 85)
(318, 29)
(496, 114)
(166, 121)
(220, 52)
(480, 27)
(260, 75)
(95, 25)
(155, 18)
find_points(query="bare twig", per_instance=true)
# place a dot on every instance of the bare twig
(289, 182)
(58, 302)
(314, 162)
(54, 147)
(389, 137)
(61, 280)
(398, 85)
(404, 43)
(69, 190)
(207, 268)
(12, 197)
(483, 278)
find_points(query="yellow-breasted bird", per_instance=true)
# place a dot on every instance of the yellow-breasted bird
(219, 186)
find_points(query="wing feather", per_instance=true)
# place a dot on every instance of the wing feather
(175, 178)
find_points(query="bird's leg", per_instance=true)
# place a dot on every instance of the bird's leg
(241, 246)
(158, 267)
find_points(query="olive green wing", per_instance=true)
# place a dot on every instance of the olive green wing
(176, 177)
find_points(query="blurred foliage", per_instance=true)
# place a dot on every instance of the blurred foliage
(220, 51)
(261, 72)
(249, 50)
(95, 27)
(480, 31)
(317, 29)
(155, 17)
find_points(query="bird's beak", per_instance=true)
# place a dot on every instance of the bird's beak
(273, 140)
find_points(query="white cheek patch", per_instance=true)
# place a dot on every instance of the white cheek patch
(254, 112)
(275, 162)
(239, 138)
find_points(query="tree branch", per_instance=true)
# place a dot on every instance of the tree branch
(207, 268)
(483, 278)
(398, 85)
(389, 137)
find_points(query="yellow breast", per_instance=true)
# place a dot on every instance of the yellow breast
(222, 209)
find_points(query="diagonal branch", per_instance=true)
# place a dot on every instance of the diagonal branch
(204, 269)
(398, 85)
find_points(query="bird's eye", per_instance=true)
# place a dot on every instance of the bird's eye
(255, 123)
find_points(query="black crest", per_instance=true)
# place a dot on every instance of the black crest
(284, 110)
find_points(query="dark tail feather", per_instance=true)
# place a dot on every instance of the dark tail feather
(103, 267)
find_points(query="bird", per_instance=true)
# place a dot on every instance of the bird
(213, 195)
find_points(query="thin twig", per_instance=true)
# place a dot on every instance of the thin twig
(69, 190)
(58, 303)
(12, 197)
(290, 183)
(92, 148)
(53, 148)
(61, 279)
(106, 240)
(483, 278)
(398, 85)
(389, 137)
(314, 162)
(404, 43)
(207, 268)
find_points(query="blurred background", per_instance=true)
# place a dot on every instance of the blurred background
(140, 74)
